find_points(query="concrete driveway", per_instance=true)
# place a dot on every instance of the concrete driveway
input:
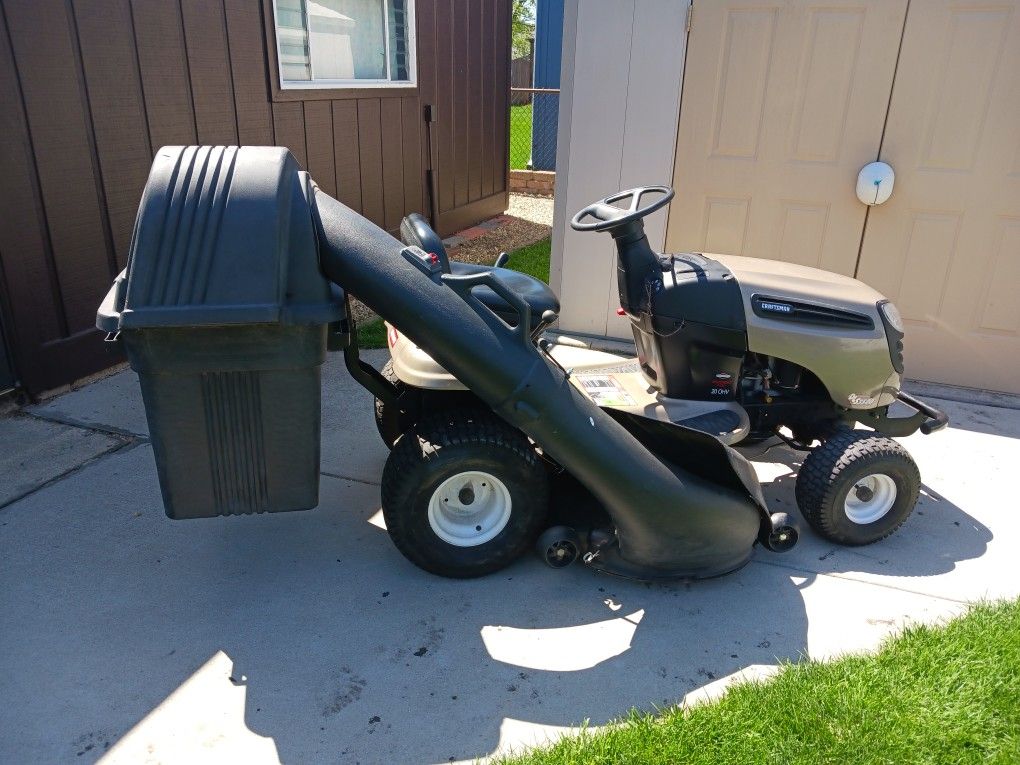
(306, 637)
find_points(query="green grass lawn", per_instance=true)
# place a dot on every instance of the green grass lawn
(931, 695)
(520, 136)
(372, 334)
(533, 259)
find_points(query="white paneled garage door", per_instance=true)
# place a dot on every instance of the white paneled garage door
(783, 103)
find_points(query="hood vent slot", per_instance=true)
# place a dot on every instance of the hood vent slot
(782, 309)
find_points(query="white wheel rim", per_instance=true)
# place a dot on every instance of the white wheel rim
(870, 498)
(470, 508)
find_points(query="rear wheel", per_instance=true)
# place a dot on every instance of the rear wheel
(464, 494)
(857, 487)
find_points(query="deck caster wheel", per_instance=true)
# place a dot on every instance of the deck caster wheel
(558, 546)
(783, 534)
(858, 487)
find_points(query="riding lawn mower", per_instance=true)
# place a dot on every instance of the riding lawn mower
(238, 283)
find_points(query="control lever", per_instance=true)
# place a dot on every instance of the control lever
(501, 260)
(548, 317)
(545, 346)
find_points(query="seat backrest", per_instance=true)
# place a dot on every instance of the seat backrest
(415, 231)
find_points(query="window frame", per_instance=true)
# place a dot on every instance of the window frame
(313, 86)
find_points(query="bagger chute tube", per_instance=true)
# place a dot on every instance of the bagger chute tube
(241, 264)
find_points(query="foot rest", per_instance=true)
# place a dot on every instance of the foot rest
(719, 423)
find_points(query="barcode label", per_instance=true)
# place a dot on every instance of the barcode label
(604, 390)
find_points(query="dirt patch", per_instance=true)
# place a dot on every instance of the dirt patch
(515, 233)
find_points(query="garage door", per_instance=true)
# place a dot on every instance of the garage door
(783, 104)
(946, 246)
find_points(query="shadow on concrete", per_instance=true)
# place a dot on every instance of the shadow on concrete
(533, 646)
(348, 653)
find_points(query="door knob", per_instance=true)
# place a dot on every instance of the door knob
(875, 183)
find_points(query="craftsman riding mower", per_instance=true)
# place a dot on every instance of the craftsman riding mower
(237, 285)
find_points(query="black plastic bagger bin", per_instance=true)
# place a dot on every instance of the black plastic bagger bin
(224, 315)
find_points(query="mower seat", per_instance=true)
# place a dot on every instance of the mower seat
(416, 231)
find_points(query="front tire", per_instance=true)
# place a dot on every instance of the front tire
(857, 487)
(464, 494)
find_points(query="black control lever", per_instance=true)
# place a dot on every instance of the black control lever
(548, 317)
(546, 347)
(501, 260)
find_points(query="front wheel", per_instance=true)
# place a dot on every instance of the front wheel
(857, 487)
(463, 494)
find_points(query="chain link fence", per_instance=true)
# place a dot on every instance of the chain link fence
(534, 113)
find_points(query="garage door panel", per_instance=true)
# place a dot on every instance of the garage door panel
(999, 306)
(967, 62)
(829, 64)
(929, 246)
(782, 104)
(803, 228)
(743, 74)
(946, 246)
(724, 224)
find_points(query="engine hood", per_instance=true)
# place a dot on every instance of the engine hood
(828, 323)
(779, 279)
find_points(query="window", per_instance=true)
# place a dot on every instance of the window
(345, 43)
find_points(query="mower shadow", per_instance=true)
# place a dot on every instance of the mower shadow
(443, 669)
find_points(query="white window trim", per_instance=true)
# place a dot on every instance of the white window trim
(313, 84)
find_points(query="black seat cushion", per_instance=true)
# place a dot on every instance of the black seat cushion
(537, 293)
(415, 231)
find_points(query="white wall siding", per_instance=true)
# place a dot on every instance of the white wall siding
(617, 129)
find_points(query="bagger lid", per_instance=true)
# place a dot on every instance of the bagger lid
(224, 236)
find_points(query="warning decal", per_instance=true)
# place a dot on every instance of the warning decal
(604, 390)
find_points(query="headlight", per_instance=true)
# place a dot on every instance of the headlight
(892, 316)
(893, 333)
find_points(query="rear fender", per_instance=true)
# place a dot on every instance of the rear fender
(418, 369)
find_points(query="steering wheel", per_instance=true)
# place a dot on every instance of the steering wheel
(607, 215)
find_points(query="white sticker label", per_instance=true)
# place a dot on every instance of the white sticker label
(856, 399)
(604, 390)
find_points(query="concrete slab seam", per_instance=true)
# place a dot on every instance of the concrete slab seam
(124, 446)
(845, 578)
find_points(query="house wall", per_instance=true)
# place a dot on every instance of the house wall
(89, 91)
(617, 129)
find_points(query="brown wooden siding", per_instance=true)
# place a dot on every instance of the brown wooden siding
(89, 91)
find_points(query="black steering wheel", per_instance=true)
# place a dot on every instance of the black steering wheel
(607, 215)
